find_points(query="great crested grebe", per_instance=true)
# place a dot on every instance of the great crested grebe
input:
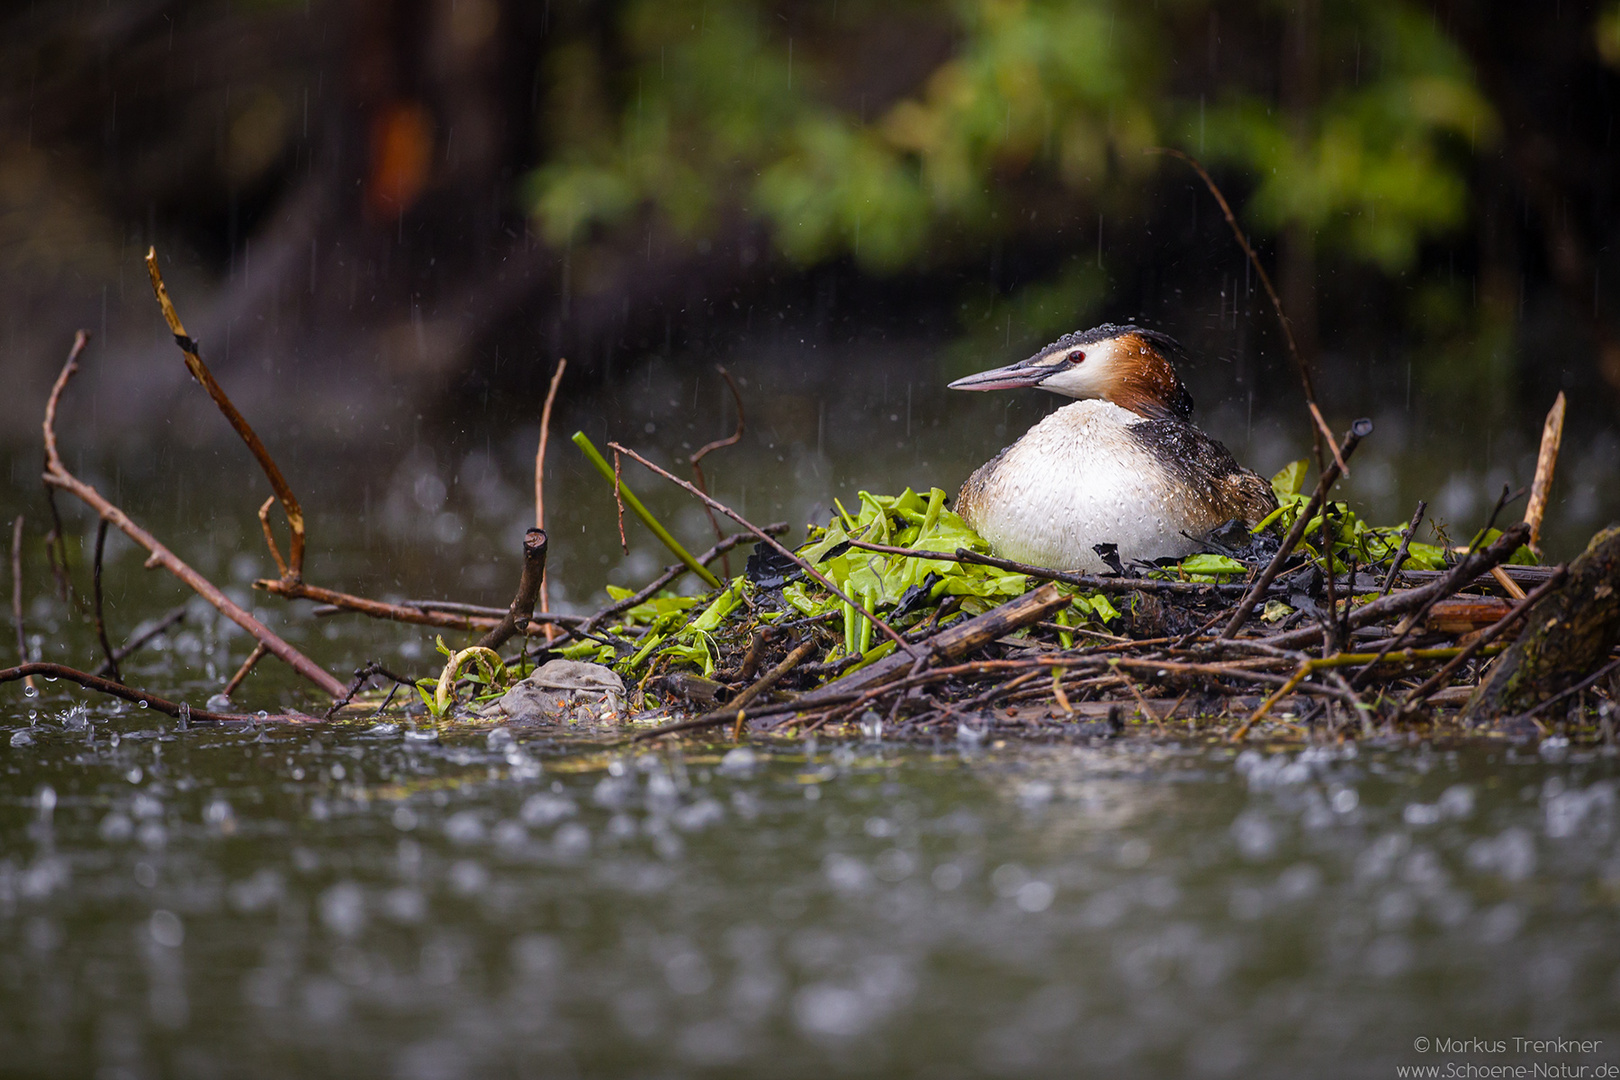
(1121, 466)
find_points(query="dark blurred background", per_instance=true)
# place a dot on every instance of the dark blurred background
(376, 208)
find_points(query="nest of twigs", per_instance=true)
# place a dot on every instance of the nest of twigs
(896, 618)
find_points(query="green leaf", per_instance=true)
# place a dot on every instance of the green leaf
(1275, 611)
(795, 594)
(1425, 557)
(426, 688)
(699, 652)
(1212, 564)
(722, 606)
(1290, 479)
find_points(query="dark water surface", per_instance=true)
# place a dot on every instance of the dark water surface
(361, 901)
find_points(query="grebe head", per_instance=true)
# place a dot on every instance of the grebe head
(1122, 364)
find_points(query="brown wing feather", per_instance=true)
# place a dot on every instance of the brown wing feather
(1223, 489)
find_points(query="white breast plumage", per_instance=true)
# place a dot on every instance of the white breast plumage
(1077, 479)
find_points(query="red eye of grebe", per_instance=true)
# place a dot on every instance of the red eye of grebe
(1076, 356)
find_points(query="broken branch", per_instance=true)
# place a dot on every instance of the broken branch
(56, 475)
(200, 372)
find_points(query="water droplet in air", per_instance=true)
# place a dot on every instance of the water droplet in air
(263, 715)
(29, 691)
(142, 703)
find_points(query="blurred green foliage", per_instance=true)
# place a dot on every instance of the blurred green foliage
(1380, 163)
(706, 111)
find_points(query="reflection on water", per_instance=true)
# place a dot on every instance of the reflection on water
(361, 902)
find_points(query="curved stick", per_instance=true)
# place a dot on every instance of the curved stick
(540, 482)
(1320, 427)
(96, 599)
(697, 470)
(57, 476)
(200, 372)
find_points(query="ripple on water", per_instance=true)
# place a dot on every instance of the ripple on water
(961, 909)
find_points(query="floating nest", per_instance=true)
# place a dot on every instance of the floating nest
(894, 619)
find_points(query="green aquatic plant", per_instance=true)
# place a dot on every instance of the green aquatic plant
(701, 632)
(489, 675)
(645, 516)
(1354, 539)
(905, 589)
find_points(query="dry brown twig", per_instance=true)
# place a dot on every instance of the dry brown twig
(294, 566)
(1319, 427)
(56, 475)
(245, 670)
(96, 600)
(1330, 476)
(141, 698)
(433, 615)
(618, 501)
(540, 484)
(1552, 437)
(270, 539)
(731, 440)
(522, 607)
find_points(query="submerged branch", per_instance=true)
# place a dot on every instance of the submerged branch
(141, 698)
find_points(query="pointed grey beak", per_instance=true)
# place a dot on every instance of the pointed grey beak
(1012, 377)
